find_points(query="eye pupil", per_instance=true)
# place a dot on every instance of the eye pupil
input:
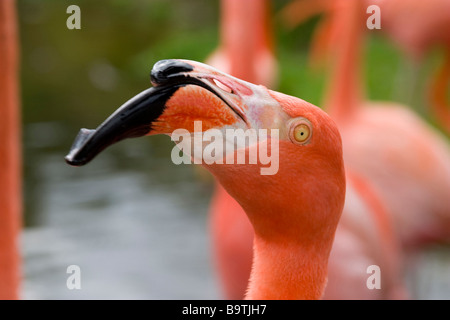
(301, 132)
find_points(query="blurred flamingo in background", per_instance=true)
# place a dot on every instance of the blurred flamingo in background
(438, 94)
(246, 42)
(406, 161)
(10, 162)
(364, 236)
(415, 26)
(418, 27)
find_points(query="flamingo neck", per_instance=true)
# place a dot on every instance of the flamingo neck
(291, 252)
(345, 84)
(287, 271)
(438, 94)
(245, 35)
(294, 231)
(294, 215)
(10, 155)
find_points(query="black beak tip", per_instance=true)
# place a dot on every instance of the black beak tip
(71, 160)
(74, 157)
(163, 70)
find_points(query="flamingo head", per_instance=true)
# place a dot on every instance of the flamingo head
(300, 140)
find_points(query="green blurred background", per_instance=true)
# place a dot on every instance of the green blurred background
(75, 78)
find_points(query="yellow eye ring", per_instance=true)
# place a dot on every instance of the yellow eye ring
(301, 132)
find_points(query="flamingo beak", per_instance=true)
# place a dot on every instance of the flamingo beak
(183, 91)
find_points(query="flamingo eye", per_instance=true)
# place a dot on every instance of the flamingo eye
(301, 132)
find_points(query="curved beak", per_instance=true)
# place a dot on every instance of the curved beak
(132, 119)
(183, 92)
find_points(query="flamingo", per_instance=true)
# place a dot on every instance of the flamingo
(10, 197)
(232, 234)
(417, 27)
(294, 213)
(246, 43)
(292, 243)
(406, 161)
